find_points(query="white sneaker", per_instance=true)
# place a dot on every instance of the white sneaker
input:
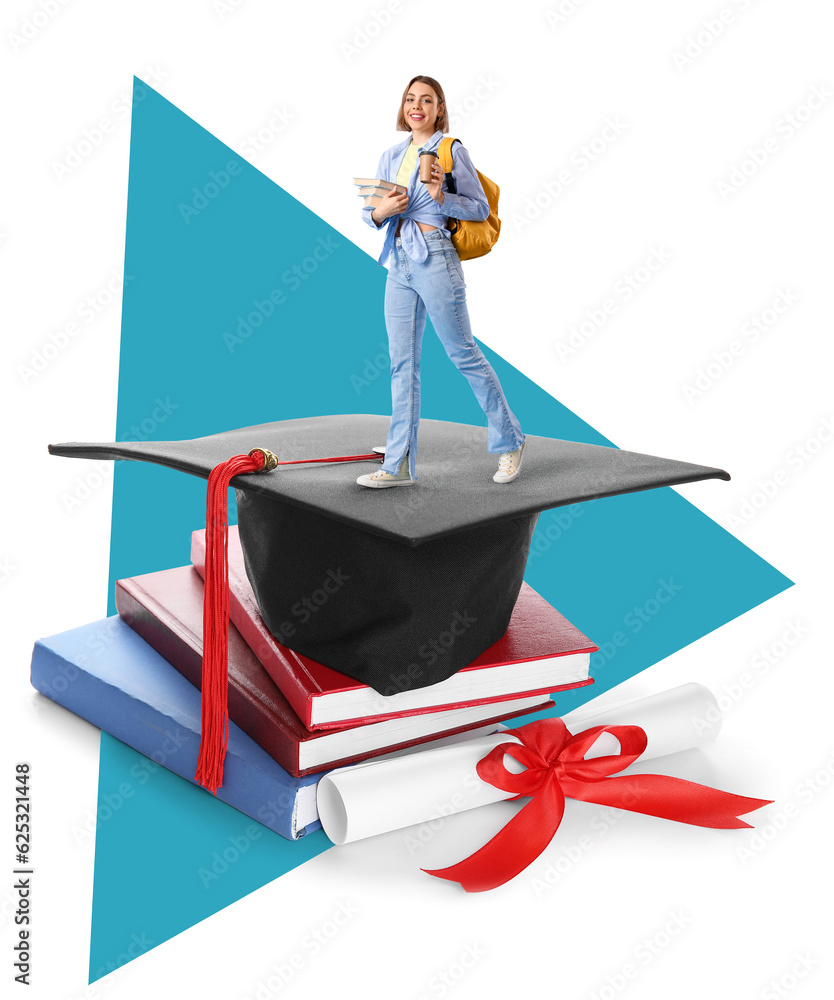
(509, 465)
(380, 480)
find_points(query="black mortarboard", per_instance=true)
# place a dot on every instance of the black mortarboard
(385, 574)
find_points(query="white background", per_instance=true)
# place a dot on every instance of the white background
(619, 904)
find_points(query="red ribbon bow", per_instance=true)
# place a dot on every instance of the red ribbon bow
(555, 769)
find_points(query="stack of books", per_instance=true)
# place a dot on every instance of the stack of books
(137, 676)
(372, 189)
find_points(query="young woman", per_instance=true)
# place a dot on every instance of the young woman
(425, 277)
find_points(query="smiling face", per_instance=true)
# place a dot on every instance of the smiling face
(421, 107)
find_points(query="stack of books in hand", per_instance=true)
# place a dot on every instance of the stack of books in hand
(373, 189)
(137, 676)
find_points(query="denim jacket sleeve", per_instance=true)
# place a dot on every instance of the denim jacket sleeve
(368, 209)
(470, 203)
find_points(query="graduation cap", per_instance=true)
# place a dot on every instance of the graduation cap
(398, 589)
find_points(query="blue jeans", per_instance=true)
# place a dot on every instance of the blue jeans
(435, 287)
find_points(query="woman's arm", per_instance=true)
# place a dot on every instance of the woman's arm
(469, 203)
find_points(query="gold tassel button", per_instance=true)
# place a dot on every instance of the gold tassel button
(270, 460)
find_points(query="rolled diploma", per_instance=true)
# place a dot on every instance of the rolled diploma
(377, 796)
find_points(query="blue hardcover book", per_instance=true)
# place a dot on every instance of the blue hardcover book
(109, 675)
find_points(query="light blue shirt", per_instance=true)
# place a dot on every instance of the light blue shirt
(469, 204)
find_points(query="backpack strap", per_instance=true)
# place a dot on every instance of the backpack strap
(444, 158)
(444, 153)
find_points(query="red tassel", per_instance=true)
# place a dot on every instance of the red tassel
(215, 687)
(215, 684)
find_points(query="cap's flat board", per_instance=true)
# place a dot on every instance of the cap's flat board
(454, 491)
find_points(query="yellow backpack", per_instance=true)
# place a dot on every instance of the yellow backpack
(471, 239)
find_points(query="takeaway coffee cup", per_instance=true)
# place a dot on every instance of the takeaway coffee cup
(427, 159)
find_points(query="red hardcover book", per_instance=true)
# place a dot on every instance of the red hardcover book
(540, 653)
(166, 609)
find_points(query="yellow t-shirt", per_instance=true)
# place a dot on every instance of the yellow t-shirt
(409, 162)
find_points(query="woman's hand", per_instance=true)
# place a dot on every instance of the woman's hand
(391, 203)
(434, 185)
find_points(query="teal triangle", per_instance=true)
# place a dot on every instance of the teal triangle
(242, 306)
